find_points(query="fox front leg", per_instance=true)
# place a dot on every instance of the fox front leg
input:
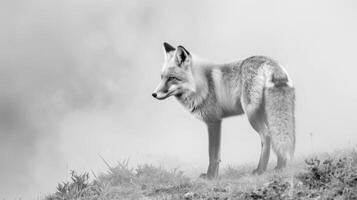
(214, 146)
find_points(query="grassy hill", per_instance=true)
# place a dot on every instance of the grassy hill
(325, 176)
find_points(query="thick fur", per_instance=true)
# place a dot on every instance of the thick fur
(279, 106)
(257, 86)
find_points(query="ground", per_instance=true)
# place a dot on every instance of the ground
(324, 176)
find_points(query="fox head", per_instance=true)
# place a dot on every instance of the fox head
(176, 75)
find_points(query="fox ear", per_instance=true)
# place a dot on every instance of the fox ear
(168, 48)
(182, 55)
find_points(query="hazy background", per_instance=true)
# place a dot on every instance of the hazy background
(76, 79)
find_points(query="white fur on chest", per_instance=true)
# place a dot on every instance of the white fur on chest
(225, 98)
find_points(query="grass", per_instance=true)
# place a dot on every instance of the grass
(326, 176)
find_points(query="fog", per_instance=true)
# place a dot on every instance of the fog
(76, 79)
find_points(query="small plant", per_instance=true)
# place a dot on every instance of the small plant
(331, 178)
(78, 188)
(274, 190)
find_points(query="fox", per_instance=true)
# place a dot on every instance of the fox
(258, 87)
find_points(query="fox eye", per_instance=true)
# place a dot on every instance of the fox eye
(171, 78)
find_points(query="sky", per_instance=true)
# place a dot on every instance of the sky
(77, 76)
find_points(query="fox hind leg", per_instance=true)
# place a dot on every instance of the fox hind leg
(264, 155)
(281, 163)
(256, 117)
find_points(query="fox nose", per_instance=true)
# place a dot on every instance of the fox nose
(154, 94)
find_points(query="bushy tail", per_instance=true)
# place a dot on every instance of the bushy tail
(279, 105)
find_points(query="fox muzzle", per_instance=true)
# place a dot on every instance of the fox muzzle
(165, 90)
(161, 95)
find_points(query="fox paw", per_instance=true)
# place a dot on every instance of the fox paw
(207, 176)
(203, 176)
(257, 172)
